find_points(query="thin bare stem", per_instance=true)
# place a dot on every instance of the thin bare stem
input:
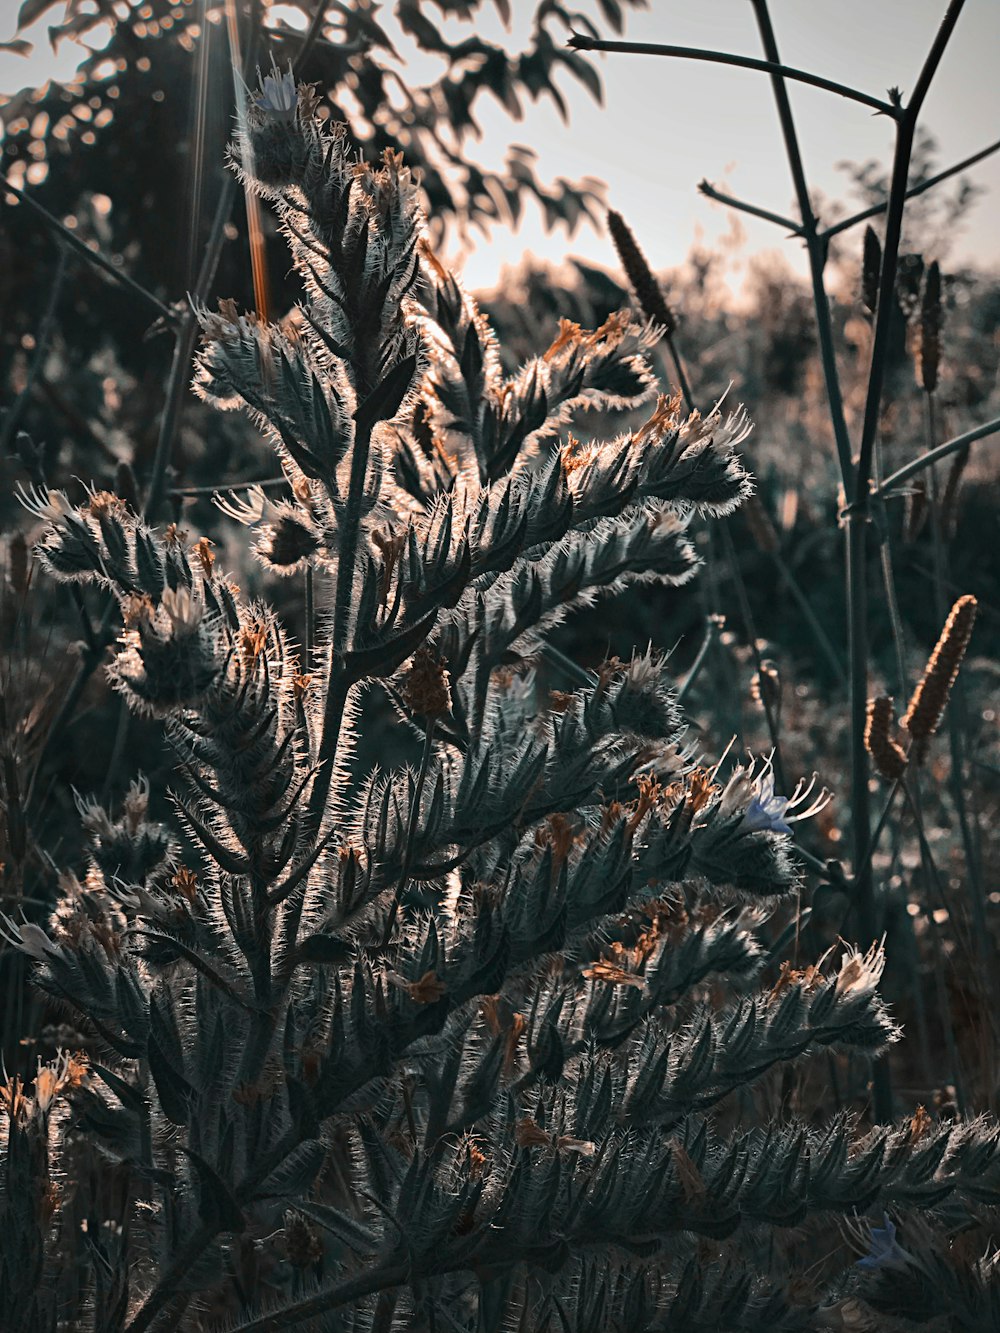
(583, 42)
(911, 193)
(45, 328)
(905, 130)
(897, 478)
(710, 192)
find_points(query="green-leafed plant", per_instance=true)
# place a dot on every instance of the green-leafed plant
(465, 1045)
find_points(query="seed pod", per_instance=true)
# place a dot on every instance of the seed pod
(647, 290)
(888, 757)
(931, 320)
(930, 698)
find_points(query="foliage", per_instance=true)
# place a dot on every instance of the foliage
(448, 1043)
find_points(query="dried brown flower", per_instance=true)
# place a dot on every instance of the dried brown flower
(425, 686)
(303, 1245)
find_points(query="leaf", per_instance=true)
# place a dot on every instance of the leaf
(127, 1094)
(31, 11)
(586, 73)
(612, 12)
(355, 1235)
(217, 1206)
(295, 1175)
(324, 949)
(17, 47)
(173, 1090)
(386, 398)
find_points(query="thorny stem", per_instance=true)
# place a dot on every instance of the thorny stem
(932, 456)
(583, 42)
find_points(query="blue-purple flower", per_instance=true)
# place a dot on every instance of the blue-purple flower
(276, 97)
(766, 810)
(884, 1251)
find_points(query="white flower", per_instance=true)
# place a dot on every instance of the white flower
(29, 938)
(750, 791)
(252, 509)
(50, 506)
(860, 973)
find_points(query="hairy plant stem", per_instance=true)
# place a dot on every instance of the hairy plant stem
(337, 682)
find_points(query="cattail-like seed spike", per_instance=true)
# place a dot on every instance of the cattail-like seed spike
(931, 320)
(930, 698)
(888, 757)
(647, 290)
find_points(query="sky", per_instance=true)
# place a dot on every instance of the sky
(666, 124)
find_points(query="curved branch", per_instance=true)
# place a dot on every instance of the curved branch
(583, 43)
(932, 456)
